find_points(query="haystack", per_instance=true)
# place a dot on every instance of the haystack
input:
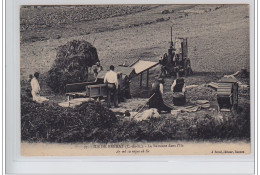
(71, 64)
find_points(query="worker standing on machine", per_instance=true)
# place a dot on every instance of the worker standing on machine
(156, 100)
(96, 69)
(112, 86)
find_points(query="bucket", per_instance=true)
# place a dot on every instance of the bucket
(179, 99)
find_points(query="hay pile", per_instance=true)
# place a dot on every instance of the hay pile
(91, 122)
(71, 64)
(51, 123)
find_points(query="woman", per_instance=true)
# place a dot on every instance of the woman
(156, 100)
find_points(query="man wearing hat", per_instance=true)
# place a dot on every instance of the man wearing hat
(156, 100)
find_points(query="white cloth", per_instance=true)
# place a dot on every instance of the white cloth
(111, 77)
(145, 115)
(173, 85)
(36, 91)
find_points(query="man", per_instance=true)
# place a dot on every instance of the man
(112, 86)
(96, 69)
(178, 90)
(36, 89)
(178, 52)
(156, 100)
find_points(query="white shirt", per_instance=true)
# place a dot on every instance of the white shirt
(161, 88)
(111, 77)
(178, 46)
(35, 85)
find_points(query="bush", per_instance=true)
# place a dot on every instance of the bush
(71, 64)
(52, 123)
(92, 122)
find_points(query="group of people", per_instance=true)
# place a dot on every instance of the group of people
(111, 80)
(156, 95)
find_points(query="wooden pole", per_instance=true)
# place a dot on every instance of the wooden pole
(171, 34)
(141, 79)
(147, 78)
(144, 105)
(177, 73)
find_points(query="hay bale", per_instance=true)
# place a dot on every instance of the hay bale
(71, 64)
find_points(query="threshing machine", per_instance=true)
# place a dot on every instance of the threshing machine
(176, 61)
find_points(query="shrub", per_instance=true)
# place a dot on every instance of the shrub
(91, 121)
(52, 123)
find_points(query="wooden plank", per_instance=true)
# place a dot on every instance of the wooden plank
(147, 79)
(76, 93)
(223, 93)
(99, 90)
(96, 85)
(141, 79)
(134, 62)
(225, 86)
(77, 87)
(142, 66)
(213, 85)
(224, 89)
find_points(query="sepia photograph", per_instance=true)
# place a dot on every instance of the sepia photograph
(135, 79)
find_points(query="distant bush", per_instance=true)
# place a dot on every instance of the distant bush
(160, 19)
(71, 64)
(165, 11)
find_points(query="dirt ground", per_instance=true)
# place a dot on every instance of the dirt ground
(218, 44)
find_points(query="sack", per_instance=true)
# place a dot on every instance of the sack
(178, 95)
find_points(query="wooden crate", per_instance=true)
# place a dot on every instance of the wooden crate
(99, 90)
(77, 89)
(227, 95)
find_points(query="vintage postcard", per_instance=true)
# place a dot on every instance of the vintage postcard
(135, 80)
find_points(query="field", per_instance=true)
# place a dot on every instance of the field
(218, 43)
